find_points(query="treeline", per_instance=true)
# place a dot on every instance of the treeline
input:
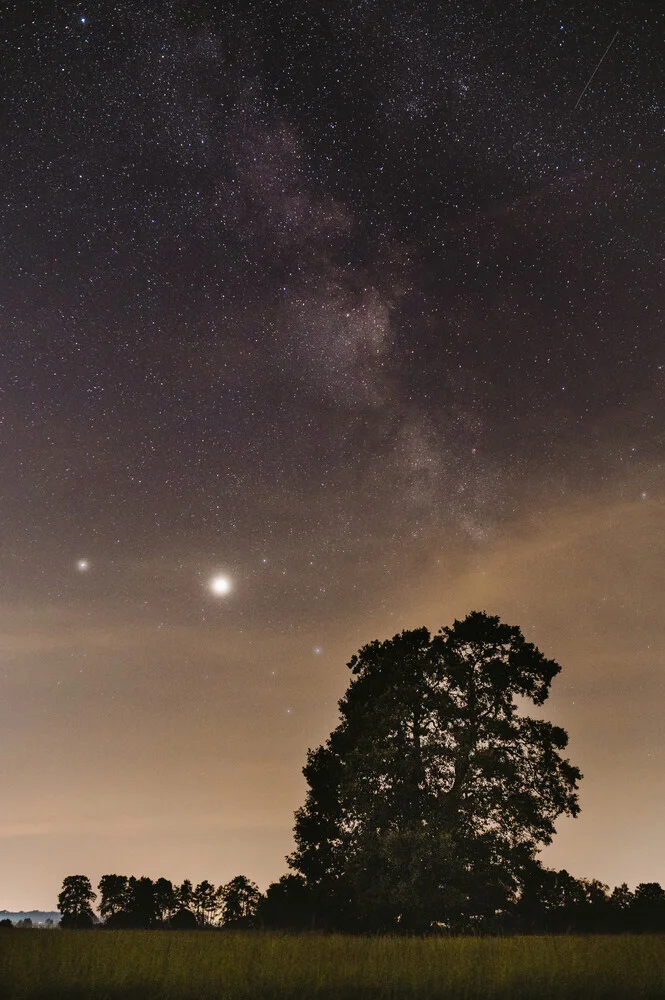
(141, 903)
(551, 902)
(24, 924)
(554, 902)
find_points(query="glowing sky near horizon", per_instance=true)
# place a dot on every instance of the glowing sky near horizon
(317, 324)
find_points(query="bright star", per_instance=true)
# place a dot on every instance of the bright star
(82, 565)
(220, 585)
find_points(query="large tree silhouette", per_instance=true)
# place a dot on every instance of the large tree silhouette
(75, 902)
(430, 799)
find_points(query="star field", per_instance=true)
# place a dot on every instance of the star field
(317, 323)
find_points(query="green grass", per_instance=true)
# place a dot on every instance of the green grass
(105, 965)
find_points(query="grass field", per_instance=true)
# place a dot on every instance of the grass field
(105, 965)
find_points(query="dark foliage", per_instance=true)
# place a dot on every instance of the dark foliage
(75, 903)
(548, 902)
(429, 801)
(144, 904)
(240, 900)
(183, 920)
(288, 905)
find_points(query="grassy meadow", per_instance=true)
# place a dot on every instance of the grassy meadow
(104, 965)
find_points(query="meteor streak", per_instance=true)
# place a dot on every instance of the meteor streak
(586, 87)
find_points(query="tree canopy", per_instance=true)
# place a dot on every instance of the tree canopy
(240, 900)
(431, 798)
(75, 902)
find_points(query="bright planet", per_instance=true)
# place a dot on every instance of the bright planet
(220, 585)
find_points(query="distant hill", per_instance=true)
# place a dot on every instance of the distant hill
(37, 916)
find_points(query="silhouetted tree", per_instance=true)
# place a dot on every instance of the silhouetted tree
(557, 902)
(287, 904)
(240, 902)
(205, 902)
(26, 923)
(647, 910)
(185, 894)
(620, 909)
(594, 914)
(114, 896)
(6, 924)
(75, 902)
(622, 897)
(166, 899)
(183, 920)
(432, 796)
(141, 911)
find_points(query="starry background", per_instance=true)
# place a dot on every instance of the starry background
(352, 303)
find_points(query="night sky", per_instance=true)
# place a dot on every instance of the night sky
(360, 307)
